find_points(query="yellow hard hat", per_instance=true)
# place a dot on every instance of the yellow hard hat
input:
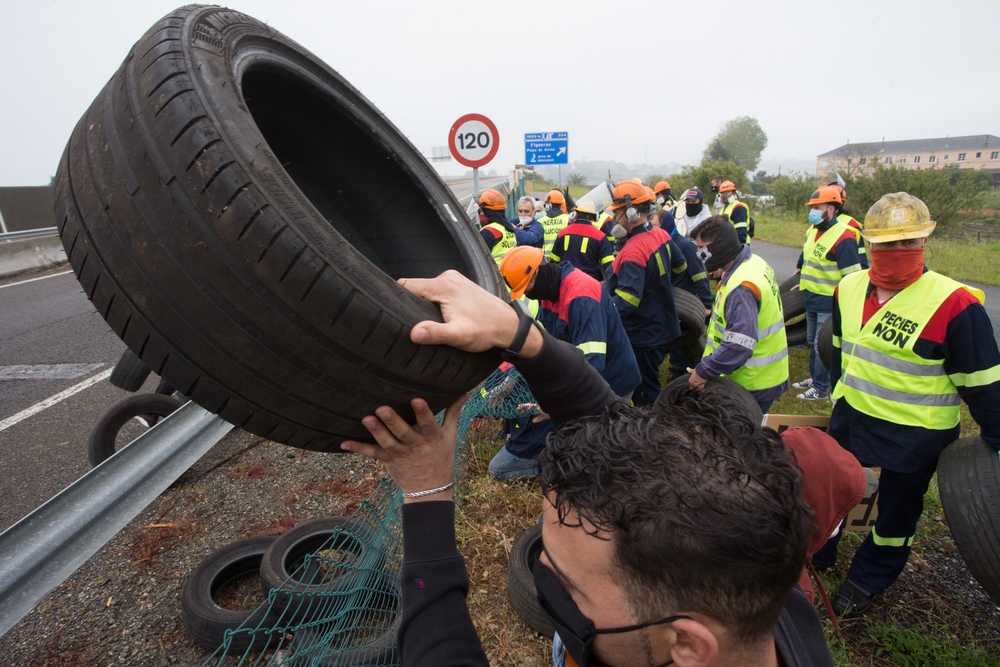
(895, 217)
(586, 206)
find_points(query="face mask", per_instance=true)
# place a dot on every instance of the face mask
(661, 200)
(539, 215)
(714, 188)
(897, 268)
(692, 210)
(524, 219)
(575, 632)
(618, 231)
(815, 217)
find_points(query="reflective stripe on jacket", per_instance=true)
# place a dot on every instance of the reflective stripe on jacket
(768, 365)
(745, 225)
(881, 375)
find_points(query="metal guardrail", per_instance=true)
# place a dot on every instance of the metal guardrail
(44, 548)
(29, 234)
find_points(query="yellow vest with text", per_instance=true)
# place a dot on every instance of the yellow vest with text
(506, 243)
(819, 274)
(728, 212)
(881, 375)
(552, 227)
(768, 365)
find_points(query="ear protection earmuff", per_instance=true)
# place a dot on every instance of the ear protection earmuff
(547, 206)
(631, 213)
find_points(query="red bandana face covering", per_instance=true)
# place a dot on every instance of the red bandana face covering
(897, 268)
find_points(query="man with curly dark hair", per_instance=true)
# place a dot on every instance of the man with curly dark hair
(671, 535)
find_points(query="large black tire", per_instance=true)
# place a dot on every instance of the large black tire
(793, 305)
(795, 334)
(129, 373)
(691, 314)
(305, 591)
(521, 562)
(205, 620)
(718, 391)
(969, 482)
(824, 343)
(239, 214)
(789, 284)
(103, 439)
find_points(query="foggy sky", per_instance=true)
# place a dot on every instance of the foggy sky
(630, 81)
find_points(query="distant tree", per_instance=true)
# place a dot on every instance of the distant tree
(760, 184)
(741, 140)
(792, 192)
(576, 179)
(701, 177)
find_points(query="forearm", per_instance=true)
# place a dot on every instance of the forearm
(564, 384)
(436, 628)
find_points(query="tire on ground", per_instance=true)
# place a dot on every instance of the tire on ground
(691, 314)
(365, 645)
(205, 620)
(240, 214)
(304, 590)
(718, 391)
(789, 284)
(129, 373)
(824, 343)
(103, 439)
(793, 305)
(969, 482)
(521, 562)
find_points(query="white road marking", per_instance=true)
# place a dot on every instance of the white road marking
(53, 400)
(46, 371)
(31, 280)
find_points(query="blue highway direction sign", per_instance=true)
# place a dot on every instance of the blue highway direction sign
(546, 148)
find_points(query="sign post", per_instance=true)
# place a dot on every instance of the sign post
(474, 141)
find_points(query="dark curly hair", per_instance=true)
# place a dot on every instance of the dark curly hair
(704, 508)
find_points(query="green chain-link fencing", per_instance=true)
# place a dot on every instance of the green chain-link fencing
(340, 606)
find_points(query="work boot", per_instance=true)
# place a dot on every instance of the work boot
(852, 601)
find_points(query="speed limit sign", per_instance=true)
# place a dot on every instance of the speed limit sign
(473, 140)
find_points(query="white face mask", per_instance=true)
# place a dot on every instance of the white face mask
(661, 200)
(524, 219)
(618, 231)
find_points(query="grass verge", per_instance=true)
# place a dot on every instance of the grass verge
(959, 259)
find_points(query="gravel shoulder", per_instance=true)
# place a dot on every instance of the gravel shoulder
(123, 607)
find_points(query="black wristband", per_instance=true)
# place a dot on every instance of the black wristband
(525, 320)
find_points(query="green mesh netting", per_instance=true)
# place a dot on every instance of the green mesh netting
(340, 605)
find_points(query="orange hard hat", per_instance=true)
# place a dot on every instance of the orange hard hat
(493, 200)
(627, 193)
(661, 186)
(555, 197)
(826, 194)
(517, 267)
(727, 186)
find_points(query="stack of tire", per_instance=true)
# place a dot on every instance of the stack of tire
(303, 595)
(793, 304)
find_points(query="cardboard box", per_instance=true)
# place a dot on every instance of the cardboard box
(862, 517)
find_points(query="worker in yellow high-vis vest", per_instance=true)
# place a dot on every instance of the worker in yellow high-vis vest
(909, 346)
(746, 333)
(830, 253)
